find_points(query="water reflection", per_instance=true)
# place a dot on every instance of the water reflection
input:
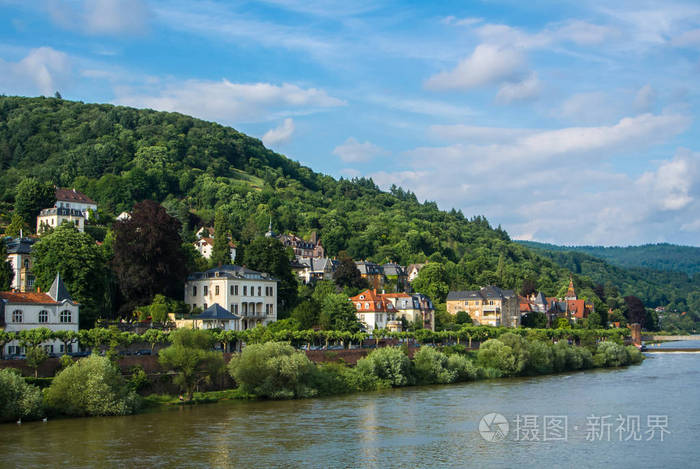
(415, 427)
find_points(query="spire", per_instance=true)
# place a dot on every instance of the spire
(58, 290)
(270, 233)
(571, 292)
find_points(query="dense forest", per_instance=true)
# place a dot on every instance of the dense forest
(199, 170)
(662, 256)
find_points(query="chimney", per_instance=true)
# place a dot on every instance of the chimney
(38, 289)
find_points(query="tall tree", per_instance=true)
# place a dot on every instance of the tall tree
(33, 195)
(5, 268)
(148, 256)
(81, 263)
(338, 314)
(269, 255)
(634, 310)
(221, 254)
(348, 275)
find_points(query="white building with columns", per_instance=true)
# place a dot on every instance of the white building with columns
(246, 293)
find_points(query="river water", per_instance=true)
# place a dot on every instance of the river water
(436, 426)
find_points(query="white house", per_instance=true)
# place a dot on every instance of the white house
(70, 198)
(205, 246)
(249, 294)
(56, 216)
(54, 310)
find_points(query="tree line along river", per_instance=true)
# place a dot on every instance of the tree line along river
(610, 416)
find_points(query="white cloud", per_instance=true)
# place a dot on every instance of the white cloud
(674, 185)
(43, 70)
(589, 108)
(352, 151)
(229, 102)
(426, 107)
(98, 17)
(555, 185)
(520, 91)
(488, 64)
(280, 134)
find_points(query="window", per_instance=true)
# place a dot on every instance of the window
(194, 291)
(206, 290)
(235, 289)
(366, 305)
(235, 309)
(216, 290)
(26, 263)
(259, 291)
(231, 289)
(17, 316)
(245, 290)
(43, 316)
(204, 306)
(65, 316)
(48, 348)
(67, 348)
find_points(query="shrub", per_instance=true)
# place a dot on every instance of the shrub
(519, 346)
(274, 370)
(388, 363)
(191, 358)
(540, 361)
(431, 367)
(495, 354)
(18, 399)
(611, 354)
(634, 356)
(139, 378)
(91, 386)
(462, 367)
(65, 361)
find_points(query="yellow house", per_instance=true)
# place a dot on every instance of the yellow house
(489, 306)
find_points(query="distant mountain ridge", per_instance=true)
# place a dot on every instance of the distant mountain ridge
(663, 256)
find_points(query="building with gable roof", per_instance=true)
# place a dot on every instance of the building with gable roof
(54, 310)
(312, 269)
(217, 317)
(374, 311)
(250, 294)
(71, 206)
(373, 273)
(413, 307)
(488, 306)
(396, 275)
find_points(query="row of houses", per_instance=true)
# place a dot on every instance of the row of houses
(493, 306)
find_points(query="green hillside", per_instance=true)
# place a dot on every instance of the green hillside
(119, 155)
(663, 256)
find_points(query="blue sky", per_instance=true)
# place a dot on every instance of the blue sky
(565, 122)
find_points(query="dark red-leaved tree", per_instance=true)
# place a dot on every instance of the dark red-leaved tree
(635, 311)
(148, 255)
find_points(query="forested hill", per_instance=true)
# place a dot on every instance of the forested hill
(662, 256)
(119, 155)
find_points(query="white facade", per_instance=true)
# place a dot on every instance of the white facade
(246, 293)
(53, 217)
(205, 246)
(24, 311)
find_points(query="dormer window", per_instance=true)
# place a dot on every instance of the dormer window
(362, 297)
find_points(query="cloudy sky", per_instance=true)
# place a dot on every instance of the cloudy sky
(566, 122)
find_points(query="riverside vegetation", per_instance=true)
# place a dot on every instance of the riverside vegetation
(276, 370)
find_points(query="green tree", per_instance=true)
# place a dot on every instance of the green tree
(17, 226)
(338, 314)
(192, 359)
(18, 399)
(81, 264)
(6, 272)
(31, 197)
(387, 364)
(221, 253)
(91, 386)
(432, 281)
(274, 370)
(462, 317)
(269, 255)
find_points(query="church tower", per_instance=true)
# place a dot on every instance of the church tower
(571, 293)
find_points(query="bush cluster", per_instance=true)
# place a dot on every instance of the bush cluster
(18, 399)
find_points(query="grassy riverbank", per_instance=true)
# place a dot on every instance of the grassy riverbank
(274, 370)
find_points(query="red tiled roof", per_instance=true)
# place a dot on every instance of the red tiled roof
(395, 295)
(71, 195)
(375, 302)
(577, 308)
(27, 297)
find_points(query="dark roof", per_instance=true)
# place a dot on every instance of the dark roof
(231, 271)
(488, 292)
(71, 195)
(19, 245)
(216, 311)
(58, 290)
(369, 268)
(392, 269)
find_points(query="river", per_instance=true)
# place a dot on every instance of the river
(409, 427)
